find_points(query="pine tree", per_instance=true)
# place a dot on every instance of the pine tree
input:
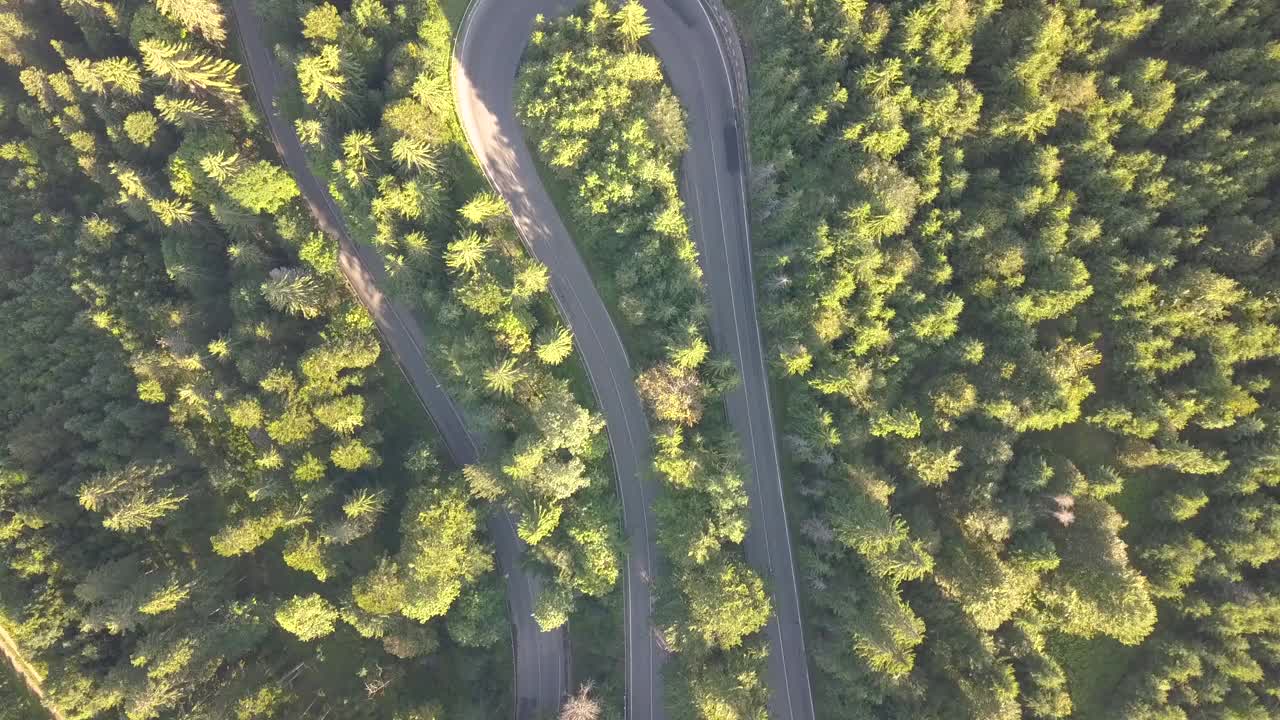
(353, 454)
(467, 253)
(186, 67)
(14, 33)
(183, 112)
(119, 74)
(131, 499)
(308, 617)
(323, 77)
(633, 22)
(555, 347)
(293, 291)
(382, 590)
(202, 16)
(416, 155)
(484, 208)
(359, 154)
(503, 378)
(434, 93)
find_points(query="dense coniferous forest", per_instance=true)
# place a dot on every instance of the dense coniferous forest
(217, 502)
(375, 111)
(1018, 268)
(1016, 272)
(610, 133)
(454, 254)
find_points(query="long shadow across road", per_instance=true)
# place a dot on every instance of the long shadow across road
(541, 659)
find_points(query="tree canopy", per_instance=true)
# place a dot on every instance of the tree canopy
(1017, 274)
(604, 121)
(204, 455)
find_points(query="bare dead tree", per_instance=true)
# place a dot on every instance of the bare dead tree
(581, 706)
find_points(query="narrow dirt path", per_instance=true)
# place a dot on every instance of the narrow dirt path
(26, 672)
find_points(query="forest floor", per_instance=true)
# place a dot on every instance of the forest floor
(454, 10)
(1094, 668)
(26, 672)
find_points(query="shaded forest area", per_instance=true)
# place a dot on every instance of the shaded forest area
(1018, 270)
(218, 499)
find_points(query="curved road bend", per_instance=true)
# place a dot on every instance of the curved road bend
(491, 41)
(493, 38)
(541, 665)
(695, 57)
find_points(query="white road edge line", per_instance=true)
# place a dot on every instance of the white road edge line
(464, 43)
(737, 336)
(746, 229)
(381, 298)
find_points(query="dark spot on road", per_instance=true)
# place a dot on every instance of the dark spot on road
(677, 7)
(731, 147)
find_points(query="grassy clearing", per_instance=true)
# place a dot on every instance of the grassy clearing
(1136, 503)
(1094, 668)
(408, 424)
(1080, 442)
(1088, 446)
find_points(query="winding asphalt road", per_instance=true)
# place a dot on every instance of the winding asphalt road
(486, 59)
(541, 660)
(486, 55)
